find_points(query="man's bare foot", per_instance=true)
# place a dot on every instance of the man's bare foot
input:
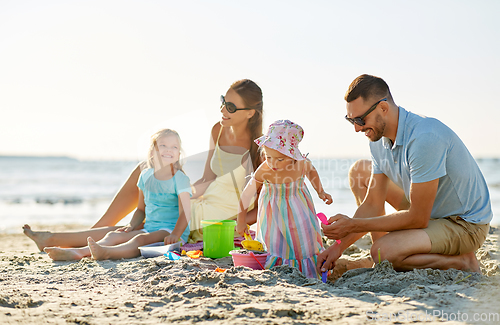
(97, 251)
(470, 263)
(41, 238)
(64, 254)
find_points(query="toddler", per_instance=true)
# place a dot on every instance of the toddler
(286, 222)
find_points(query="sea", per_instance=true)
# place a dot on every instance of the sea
(45, 191)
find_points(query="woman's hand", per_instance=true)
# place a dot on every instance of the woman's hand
(327, 198)
(171, 239)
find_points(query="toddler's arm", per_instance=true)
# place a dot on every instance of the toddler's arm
(313, 176)
(245, 199)
(182, 222)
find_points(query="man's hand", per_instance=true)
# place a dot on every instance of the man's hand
(338, 227)
(329, 257)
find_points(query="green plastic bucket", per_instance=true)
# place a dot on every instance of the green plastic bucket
(218, 237)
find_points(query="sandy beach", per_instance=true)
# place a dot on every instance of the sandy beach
(36, 290)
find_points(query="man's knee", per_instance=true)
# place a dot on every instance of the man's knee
(385, 250)
(360, 173)
(380, 252)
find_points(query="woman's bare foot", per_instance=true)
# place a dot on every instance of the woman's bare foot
(97, 251)
(470, 263)
(65, 254)
(41, 238)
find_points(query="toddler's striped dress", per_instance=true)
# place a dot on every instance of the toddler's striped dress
(288, 226)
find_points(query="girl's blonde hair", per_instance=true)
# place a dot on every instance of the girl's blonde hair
(153, 146)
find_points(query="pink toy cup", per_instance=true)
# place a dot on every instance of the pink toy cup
(243, 258)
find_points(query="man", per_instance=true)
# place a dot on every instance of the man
(423, 169)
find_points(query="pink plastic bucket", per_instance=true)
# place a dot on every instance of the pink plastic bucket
(243, 258)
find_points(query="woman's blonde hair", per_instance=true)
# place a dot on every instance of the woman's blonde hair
(154, 146)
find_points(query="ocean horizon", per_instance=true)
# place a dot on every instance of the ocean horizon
(56, 190)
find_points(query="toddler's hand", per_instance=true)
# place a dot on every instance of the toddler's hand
(171, 239)
(240, 228)
(327, 198)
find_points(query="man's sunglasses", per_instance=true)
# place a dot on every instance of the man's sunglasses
(361, 119)
(230, 107)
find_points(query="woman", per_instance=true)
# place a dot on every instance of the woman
(232, 156)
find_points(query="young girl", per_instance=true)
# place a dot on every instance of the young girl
(164, 194)
(287, 222)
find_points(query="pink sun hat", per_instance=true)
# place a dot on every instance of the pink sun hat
(283, 136)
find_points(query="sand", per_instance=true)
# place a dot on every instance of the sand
(36, 290)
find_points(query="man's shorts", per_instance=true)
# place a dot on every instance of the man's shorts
(455, 236)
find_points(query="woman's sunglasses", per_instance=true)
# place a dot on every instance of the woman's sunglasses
(361, 119)
(230, 107)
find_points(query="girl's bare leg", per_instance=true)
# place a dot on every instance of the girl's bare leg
(123, 203)
(72, 254)
(129, 249)
(67, 254)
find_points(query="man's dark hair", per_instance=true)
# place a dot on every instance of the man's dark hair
(367, 87)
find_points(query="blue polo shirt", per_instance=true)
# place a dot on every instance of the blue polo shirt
(425, 149)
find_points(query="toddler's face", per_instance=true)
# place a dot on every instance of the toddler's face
(276, 160)
(167, 150)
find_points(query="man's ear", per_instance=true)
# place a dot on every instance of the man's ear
(384, 106)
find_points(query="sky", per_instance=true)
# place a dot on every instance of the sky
(94, 79)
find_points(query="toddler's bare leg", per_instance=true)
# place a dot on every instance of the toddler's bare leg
(72, 254)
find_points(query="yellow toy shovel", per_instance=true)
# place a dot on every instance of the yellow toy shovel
(250, 244)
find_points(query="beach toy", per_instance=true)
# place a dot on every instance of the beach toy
(220, 270)
(249, 259)
(172, 256)
(322, 217)
(158, 249)
(250, 244)
(194, 254)
(324, 275)
(218, 237)
(255, 258)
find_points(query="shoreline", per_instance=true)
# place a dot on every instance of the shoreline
(37, 290)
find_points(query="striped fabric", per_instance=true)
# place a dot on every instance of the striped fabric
(288, 226)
